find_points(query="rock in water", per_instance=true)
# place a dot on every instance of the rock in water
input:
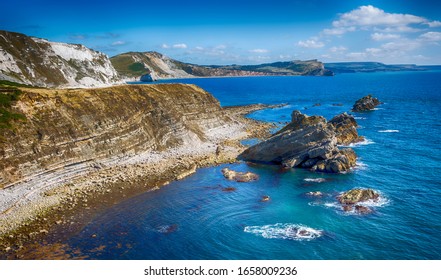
(345, 129)
(358, 195)
(365, 104)
(239, 176)
(307, 142)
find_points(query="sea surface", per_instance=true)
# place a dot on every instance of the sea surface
(199, 218)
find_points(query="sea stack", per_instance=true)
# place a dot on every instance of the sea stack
(366, 103)
(306, 142)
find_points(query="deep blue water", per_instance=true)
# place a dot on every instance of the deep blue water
(197, 219)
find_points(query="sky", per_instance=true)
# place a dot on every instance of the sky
(240, 32)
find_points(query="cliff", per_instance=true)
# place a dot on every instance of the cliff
(38, 62)
(68, 127)
(153, 65)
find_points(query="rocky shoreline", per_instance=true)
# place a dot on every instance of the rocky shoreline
(39, 212)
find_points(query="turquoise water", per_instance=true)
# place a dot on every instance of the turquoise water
(196, 218)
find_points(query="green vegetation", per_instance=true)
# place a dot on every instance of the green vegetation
(9, 93)
(125, 65)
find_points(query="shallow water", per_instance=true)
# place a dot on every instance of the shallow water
(198, 218)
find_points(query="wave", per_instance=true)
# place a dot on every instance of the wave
(316, 180)
(389, 131)
(371, 203)
(360, 165)
(359, 118)
(285, 231)
(362, 143)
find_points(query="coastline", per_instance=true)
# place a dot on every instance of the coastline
(48, 207)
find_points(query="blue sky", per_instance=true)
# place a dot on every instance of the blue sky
(241, 32)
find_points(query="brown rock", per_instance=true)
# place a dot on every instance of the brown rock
(363, 209)
(265, 198)
(239, 176)
(366, 103)
(345, 129)
(358, 195)
(308, 142)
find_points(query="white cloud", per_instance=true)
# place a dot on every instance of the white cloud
(259, 51)
(356, 55)
(431, 36)
(434, 23)
(311, 44)
(384, 36)
(199, 48)
(338, 49)
(118, 43)
(165, 46)
(180, 46)
(366, 17)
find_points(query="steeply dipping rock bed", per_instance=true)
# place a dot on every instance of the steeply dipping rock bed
(81, 151)
(309, 142)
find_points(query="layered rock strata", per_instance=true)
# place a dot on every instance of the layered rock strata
(307, 142)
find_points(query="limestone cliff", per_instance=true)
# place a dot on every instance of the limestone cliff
(38, 62)
(153, 65)
(68, 127)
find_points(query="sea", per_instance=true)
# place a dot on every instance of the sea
(205, 216)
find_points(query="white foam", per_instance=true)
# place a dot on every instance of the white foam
(316, 180)
(389, 131)
(285, 231)
(362, 143)
(359, 118)
(361, 166)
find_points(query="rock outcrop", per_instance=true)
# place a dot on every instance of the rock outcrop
(66, 128)
(358, 195)
(345, 128)
(38, 62)
(307, 142)
(366, 103)
(350, 200)
(239, 176)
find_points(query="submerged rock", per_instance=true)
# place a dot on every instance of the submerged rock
(345, 127)
(307, 142)
(366, 103)
(315, 194)
(239, 176)
(358, 195)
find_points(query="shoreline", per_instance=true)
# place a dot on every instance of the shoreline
(63, 200)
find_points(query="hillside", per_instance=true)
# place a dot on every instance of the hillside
(42, 63)
(158, 66)
(355, 67)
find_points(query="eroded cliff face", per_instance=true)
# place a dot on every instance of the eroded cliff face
(39, 62)
(68, 127)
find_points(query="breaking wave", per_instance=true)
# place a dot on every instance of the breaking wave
(362, 143)
(316, 180)
(389, 131)
(285, 231)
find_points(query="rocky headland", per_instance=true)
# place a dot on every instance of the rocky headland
(78, 151)
(309, 142)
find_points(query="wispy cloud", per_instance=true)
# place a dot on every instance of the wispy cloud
(259, 51)
(311, 44)
(180, 46)
(118, 43)
(431, 36)
(383, 36)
